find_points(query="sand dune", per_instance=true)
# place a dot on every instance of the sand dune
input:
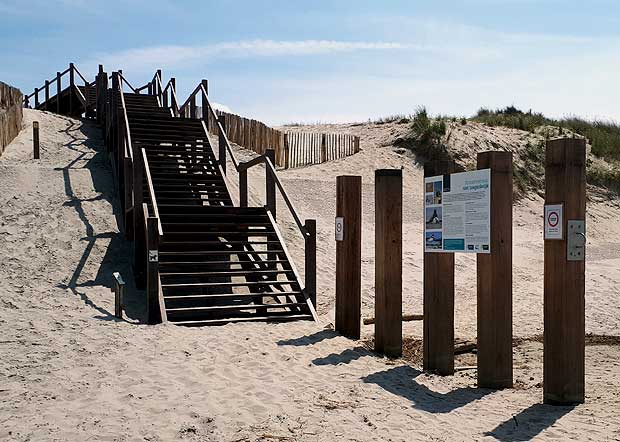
(70, 371)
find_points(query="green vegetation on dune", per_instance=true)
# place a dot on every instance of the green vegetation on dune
(603, 135)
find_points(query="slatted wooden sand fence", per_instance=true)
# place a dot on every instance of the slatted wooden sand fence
(306, 148)
(292, 149)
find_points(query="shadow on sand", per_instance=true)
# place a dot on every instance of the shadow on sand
(118, 255)
(401, 381)
(312, 339)
(529, 423)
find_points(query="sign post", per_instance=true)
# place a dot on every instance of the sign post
(438, 345)
(349, 255)
(564, 310)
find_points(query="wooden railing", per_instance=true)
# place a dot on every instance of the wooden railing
(307, 148)
(45, 89)
(272, 182)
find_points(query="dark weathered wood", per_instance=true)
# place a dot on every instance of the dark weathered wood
(173, 97)
(270, 184)
(192, 107)
(35, 139)
(36, 97)
(494, 272)
(388, 261)
(222, 144)
(47, 94)
(564, 293)
(71, 86)
(438, 345)
(243, 188)
(205, 111)
(58, 91)
(310, 261)
(152, 271)
(349, 256)
(128, 215)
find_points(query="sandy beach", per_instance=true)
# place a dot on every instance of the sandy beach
(70, 371)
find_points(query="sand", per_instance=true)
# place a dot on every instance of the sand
(70, 371)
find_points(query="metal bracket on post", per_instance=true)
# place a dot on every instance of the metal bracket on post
(576, 240)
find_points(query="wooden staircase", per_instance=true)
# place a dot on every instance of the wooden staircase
(217, 263)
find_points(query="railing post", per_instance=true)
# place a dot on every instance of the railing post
(47, 94)
(310, 263)
(71, 84)
(205, 110)
(222, 144)
(243, 188)
(36, 97)
(128, 215)
(138, 218)
(286, 151)
(158, 85)
(35, 139)
(173, 98)
(58, 91)
(323, 148)
(152, 271)
(27, 103)
(270, 183)
(192, 107)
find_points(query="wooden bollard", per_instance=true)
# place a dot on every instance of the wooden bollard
(349, 255)
(564, 310)
(388, 261)
(495, 279)
(119, 293)
(438, 345)
(35, 139)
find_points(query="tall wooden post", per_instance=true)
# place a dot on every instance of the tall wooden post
(138, 219)
(243, 188)
(205, 110)
(323, 148)
(310, 262)
(222, 143)
(270, 183)
(495, 279)
(36, 97)
(439, 298)
(58, 91)
(192, 107)
(286, 151)
(349, 256)
(35, 140)
(152, 271)
(388, 261)
(128, 215)
(564, 310)
(71, 85)
(158, 85)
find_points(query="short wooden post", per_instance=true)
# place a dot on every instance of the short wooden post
(71, 85)
(349, 256)
(287, 151)
(58, 91)
(36, 97)
(222, 143)
(323, 148)
(388, 261)
(310, 262)
(47, 94)
(35, 139)
(270, 183)
(564, 293)
(152, 271)
(438, 345)
(495, 279)
(205, 106)
(119, 294)
(138, 219)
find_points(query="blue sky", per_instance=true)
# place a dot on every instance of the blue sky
(334, 61)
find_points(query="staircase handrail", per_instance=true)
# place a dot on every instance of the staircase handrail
(151, 189)
(128, 146)
(123, 80)
(49, 83)
(173, 94)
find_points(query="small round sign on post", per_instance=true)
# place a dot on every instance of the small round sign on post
(553, 222)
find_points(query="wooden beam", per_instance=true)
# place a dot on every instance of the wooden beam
(439, 298)
(564, 293)
(152, 271)
(494, 272)
(310, 260)
(349, 256)
(388, 261)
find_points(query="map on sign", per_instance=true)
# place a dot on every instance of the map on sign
(457, 215)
